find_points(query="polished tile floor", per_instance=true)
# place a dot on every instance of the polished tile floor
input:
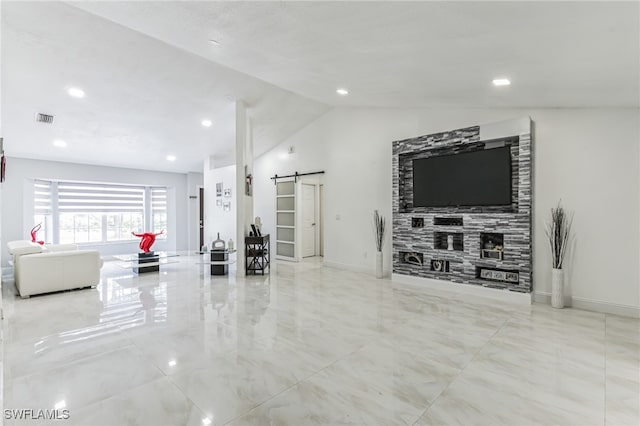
(309, 345)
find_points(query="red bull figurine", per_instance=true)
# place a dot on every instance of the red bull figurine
(34, 234)
(148, 238)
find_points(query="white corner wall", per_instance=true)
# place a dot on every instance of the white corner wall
(216, 220)
(589, 158)
(17, 208)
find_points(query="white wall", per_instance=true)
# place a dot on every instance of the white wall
(17, 206)
(589, 158)
(216, 220)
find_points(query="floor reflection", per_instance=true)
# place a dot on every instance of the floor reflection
(311, 345)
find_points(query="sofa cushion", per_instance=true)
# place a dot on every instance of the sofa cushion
(60, 247)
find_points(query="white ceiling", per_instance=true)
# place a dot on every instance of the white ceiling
(144, 99)
(151, 75)
(412, 54)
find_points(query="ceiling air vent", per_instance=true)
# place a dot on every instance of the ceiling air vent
(44, 118)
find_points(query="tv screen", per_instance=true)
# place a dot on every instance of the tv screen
(478, 178)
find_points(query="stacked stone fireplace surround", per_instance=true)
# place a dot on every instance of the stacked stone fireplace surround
(420, 233)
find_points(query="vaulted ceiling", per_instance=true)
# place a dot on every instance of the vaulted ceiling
(151, 73)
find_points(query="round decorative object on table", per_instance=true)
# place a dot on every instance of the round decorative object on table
(218, 244)
(557, 288)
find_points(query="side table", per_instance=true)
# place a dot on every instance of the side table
(257, 252)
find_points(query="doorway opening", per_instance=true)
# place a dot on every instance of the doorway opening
(201, 217)
(311, 223)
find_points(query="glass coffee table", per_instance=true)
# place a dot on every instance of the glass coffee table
(219, 261)
(141, 263)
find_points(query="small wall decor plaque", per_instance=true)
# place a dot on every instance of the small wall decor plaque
(491, 274)
(248, 184)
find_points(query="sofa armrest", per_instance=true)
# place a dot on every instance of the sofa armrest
(18, 248)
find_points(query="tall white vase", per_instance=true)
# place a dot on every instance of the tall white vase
(557, 288)
(379, 273)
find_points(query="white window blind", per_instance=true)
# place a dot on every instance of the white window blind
(76, 197)
(159, 210)
(159, 200)
(42, 197)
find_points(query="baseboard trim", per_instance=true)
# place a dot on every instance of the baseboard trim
(496, 294)
(486, 292)
(591, 305)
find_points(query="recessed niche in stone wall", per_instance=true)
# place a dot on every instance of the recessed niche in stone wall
(495, 274)
(448, 221)
(439, 265)
(491, 245)
(412, 258)
(417, 222)
(441, 240)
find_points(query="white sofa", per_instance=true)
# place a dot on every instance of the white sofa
(44, 269)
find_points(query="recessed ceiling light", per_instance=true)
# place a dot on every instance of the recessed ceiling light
(60, 405)
(171, 157)
(342, 92)
(76, 93)
(172, 363)
(501, 82)
(59, 143)
(206, 421)
(207, 123)
(214, 42)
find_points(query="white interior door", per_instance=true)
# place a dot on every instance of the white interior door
(308, 220)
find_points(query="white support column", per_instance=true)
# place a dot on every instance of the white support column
(209, 199)
(244, 203)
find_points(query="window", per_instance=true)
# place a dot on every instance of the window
(80, 228)
(79, 212)
(159, 211)
(42, 210)
(121, 225)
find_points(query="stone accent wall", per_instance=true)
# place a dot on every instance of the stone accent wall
(513, 222)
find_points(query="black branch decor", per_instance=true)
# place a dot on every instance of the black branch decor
(380, 227)
(559, 234)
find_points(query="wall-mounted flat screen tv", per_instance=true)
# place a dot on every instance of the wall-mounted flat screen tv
(477, 178)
